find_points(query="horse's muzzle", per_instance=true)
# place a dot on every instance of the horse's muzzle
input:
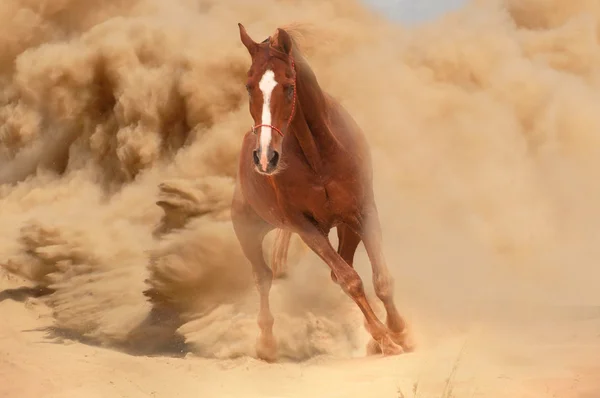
(266, 163)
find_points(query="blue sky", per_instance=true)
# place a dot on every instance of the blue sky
(414, 11)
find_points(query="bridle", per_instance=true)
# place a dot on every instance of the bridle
(253, 129)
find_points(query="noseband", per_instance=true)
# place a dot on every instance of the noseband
(293, 107)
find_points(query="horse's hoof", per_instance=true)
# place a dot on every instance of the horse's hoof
(408, 344)
(388, 347)
(266, 349)
(403, 339)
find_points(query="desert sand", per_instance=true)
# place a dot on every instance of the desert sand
(120, 275)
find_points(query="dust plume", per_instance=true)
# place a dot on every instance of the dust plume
(122, 122)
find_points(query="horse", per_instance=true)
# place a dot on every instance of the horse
(305, 167)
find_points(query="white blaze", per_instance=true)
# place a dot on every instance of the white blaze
(267, 84)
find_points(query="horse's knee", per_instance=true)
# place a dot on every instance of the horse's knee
(265, 320)
(384, 286)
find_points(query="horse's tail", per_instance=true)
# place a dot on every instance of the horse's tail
(279, 253)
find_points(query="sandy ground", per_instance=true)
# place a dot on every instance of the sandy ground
(562, 363)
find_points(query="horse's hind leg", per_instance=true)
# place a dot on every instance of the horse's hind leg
(348, 241)
(280, 253)
(382, 279)
(250, 231)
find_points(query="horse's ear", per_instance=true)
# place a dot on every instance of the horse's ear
(250, 44)
(284, 41)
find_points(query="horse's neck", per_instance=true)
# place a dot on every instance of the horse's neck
(307, 141)
(310, 124)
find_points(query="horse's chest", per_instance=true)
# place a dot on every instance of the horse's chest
(279, 201)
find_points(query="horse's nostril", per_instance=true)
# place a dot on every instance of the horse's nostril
(274, 158)
(255, 157)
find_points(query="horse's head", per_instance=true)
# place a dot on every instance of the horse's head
(271, 89)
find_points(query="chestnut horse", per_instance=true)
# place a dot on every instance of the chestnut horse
(305, 167)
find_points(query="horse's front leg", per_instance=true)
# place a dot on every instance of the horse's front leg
(352, 285)
(383, 282)
(250, 230)
(279, 254)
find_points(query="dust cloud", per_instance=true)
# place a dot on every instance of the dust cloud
(121, 123)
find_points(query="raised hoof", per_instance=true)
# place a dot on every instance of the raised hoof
(266, 349)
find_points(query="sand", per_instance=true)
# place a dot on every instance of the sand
(563, 363)
(120, 274)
